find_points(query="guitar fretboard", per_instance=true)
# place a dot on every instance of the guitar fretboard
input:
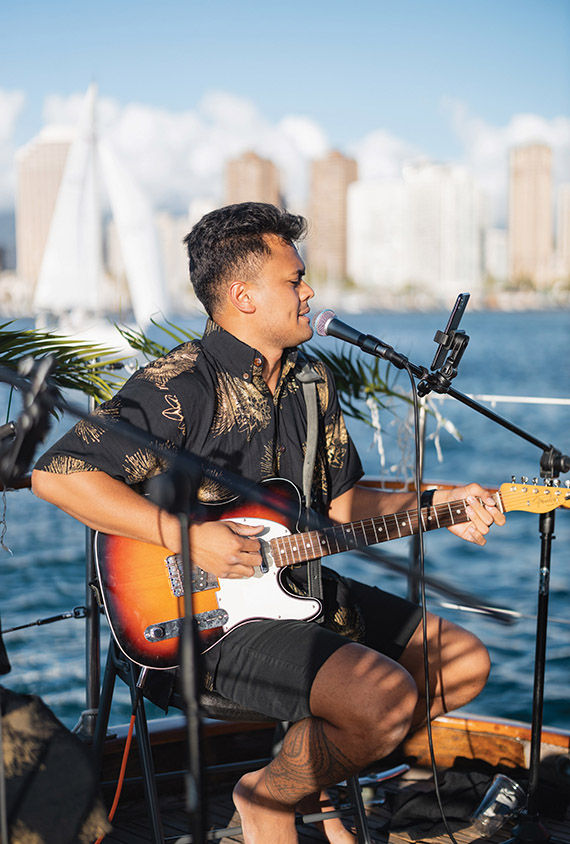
(302, 547)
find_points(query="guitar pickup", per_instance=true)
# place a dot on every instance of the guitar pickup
(172, 629)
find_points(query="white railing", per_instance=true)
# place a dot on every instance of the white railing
(493, 399)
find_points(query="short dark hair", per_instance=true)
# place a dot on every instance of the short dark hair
(231, 240)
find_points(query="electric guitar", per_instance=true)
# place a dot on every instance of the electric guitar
(142, 587)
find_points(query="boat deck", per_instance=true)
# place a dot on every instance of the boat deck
(132, 825)
(469, 752)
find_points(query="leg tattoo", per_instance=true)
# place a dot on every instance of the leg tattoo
(307, 761)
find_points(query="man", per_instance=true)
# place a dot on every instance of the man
(233, 397)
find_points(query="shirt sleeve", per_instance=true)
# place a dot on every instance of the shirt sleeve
(98, 443)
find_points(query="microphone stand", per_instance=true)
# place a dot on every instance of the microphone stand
(552, 463)
(176, 492)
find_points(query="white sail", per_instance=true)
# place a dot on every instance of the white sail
(138, 239)
(70, 282)
(70, 275)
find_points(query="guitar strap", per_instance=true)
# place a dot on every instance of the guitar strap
(309, 378)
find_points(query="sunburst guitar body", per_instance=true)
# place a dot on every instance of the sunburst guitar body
(142, 585)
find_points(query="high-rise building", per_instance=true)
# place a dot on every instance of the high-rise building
(444, 229)
(420, 233)
(495, 260)
(171, 233)
(251, 178)
(563, 231)
(376, 233)
(327, 239)
(39, 169)
(530, 214)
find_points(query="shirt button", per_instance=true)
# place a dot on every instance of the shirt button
(257, 361)
(246, 376)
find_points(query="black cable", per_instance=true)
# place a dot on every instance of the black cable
(423, 604)
(3, 802)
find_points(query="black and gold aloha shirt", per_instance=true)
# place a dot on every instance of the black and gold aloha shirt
(208, 396)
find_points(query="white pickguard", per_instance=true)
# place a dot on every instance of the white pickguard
(262, 596)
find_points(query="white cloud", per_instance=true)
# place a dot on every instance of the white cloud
(11, 104)
(66, 111)
(381, 155)
(486, 149)
(179, 155)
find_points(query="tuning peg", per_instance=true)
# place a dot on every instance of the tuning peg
(535, 481)
(513, 479)
(556, 482)
(567, 484)
(524, 479)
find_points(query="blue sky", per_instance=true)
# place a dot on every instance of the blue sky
(352, 66)
(411, 69)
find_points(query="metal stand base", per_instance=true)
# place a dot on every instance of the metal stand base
(528, 830)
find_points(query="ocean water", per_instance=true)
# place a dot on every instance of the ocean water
(514, 354)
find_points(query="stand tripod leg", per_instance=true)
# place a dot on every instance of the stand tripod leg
(530, 828)
(104, 710)
(143, 741)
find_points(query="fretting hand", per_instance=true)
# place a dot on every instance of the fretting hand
(481, 509)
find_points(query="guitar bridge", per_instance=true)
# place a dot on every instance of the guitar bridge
(175, 575)
(201, 580)
(173, 629)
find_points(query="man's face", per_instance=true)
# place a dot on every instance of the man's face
(281, 297)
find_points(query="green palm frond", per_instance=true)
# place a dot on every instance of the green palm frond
(138, 340)
(358, 379)
(87, 367)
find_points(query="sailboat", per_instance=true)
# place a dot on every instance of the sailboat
(72, 295)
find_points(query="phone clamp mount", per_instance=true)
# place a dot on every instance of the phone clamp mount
(454, 342)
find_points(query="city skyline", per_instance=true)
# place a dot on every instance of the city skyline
(425, 232)
(385, 85)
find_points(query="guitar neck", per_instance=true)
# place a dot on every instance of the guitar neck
(302, 547)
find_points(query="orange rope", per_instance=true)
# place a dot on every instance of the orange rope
(121, 774)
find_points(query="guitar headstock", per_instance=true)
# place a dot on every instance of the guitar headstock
(534, 498)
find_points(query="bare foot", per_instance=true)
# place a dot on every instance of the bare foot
(263, 819)
(334, 829)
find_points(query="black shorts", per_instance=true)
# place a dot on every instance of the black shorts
(269, 666)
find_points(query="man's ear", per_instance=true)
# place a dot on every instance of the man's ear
(239, 295)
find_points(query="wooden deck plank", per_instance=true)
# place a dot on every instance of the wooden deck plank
(133, 827)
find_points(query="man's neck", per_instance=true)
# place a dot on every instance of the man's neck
(272, 357)
(271, 371)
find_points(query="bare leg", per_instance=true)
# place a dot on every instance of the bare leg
(458, 667)
(362, 705)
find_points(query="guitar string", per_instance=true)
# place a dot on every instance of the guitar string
(295, 554)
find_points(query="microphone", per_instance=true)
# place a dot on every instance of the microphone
(326, 323)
